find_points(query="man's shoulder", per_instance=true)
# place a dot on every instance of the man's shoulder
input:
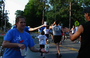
(86, 24)
(11, 31)
(27, 27)
(13, 27)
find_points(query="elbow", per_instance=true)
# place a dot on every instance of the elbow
(32, 49)
(71, 38)
(3, 45)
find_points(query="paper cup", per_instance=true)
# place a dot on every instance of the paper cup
(23, 52)
(47, 47)
(45, 23)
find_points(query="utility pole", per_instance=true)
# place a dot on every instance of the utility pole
(55, 12)
(70, 16)
(5, 19)
(43, 12)
(3, 6)
(3, 15)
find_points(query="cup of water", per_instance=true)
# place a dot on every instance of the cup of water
(23, 52)
(47, 47)
(45, 23)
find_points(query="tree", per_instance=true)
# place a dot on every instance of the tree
(3, 16)
(54, 10)
(61, 11)
(33, 12)
(19, 13)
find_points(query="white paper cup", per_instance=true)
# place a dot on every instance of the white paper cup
(47, 47)
(45, 23)
(23, 52)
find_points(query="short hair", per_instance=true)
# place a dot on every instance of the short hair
(17, 18)
(86, 10)
(42, 33)
(56, 22)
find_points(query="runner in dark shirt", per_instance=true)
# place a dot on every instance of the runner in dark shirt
(84, 31)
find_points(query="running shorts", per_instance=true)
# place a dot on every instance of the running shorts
(57, 38)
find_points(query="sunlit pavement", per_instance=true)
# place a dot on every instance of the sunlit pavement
(68, 49)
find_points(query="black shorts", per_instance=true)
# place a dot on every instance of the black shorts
(47, 35)
(50, 33)
(42, 46)
(57, 38)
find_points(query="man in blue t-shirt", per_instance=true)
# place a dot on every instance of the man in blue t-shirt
(17, 39)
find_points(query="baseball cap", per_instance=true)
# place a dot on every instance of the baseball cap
(86, 10)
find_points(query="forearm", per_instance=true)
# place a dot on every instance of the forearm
(72, 36)
(9, 45)
(33, 29)
(33, 49)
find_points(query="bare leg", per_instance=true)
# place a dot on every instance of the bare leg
(52, 36)
(57, 46)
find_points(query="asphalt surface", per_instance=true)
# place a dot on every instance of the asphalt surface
(68, 49)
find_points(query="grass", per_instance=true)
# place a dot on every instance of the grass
(2, 32)
(1, 37)
(1, 40)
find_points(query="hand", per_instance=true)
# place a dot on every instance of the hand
(44, 25)
(43, 50)
(22, 46)
(67, 29)
(70, 34)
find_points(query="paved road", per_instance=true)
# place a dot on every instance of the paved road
(68, 50)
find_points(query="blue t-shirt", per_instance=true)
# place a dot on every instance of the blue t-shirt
(42, 28)
(14, 36)
(25, 29)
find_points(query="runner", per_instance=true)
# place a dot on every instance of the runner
(46, 31)
(57, 37)
(42, 41)
(84, 31)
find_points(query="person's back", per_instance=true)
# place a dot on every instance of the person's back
(46, 30)
(42, 41)
(56, 30)
(42, 38)
(85, 41)
(57, 37)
